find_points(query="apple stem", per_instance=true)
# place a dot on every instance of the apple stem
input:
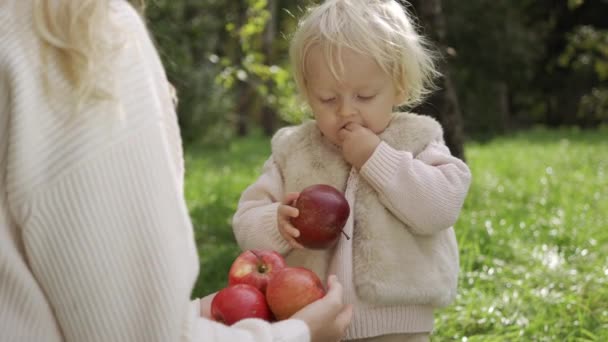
(256, 254)
(261, 267)
(346, 235)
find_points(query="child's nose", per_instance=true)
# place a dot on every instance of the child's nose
(347, 107)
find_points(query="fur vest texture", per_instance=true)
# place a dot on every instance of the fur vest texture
(391, 264)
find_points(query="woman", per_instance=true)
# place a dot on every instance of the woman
(95, 239)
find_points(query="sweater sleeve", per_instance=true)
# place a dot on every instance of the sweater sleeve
(426, 191)
(111, 243)
(248, 330)
(103, 246)
(255, 221)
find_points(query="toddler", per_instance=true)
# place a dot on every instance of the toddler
(355, 62)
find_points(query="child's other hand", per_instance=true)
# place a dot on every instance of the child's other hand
(358, 144)
(285, 212)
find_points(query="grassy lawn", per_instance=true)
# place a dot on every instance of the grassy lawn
(533, 234)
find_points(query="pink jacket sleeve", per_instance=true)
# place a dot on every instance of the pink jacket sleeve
(426, 191)
(255, 221)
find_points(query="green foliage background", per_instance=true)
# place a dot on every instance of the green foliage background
(533, 233)
(515, 63)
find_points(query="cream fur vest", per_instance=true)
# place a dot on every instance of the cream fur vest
(391, 265)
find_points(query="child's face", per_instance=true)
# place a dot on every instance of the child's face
(365, 94)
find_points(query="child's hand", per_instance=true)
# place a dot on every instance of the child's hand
(358, 144)
(284, 212)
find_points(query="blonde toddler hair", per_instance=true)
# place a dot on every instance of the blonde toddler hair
(381, 29)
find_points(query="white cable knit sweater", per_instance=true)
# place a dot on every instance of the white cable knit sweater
(95, 239)
(402, 261)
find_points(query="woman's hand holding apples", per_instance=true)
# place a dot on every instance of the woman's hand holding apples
(358, 144)
(328, 317)
(205, 305)
(261, 285)
(285, 211)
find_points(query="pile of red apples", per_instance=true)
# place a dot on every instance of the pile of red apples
(261, 285)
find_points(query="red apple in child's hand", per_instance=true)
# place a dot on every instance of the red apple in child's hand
(291, 289)
(323, 214)
(238, 302)
(255, 267)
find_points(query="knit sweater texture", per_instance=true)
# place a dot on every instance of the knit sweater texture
(95, 239)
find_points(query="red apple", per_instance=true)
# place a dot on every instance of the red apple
(323, 214)
(255, 267)
(238, 302)
(291, 289)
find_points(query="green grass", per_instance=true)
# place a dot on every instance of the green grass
(215, 178)
(533, 233)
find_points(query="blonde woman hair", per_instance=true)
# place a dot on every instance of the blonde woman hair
(78, 34)
(381, 29)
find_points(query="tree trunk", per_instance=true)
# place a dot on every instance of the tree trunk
(444, 101)
(504, 106)
(244, 102)
(268, 112)
(243, 93)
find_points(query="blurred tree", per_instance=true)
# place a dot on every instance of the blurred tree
(497, 48)
(188, 32)
(586, 53)
(445, 100)
(270, 88)
(511, 63)
(570, 72)
(244, 93)
(270, 34)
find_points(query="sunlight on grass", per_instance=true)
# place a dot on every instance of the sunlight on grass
(533, 233)
(534, 241)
